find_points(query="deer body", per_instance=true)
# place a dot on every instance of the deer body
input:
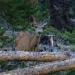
(26, 41)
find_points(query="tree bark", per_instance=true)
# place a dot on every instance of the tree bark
(45, 68)
(32, 56)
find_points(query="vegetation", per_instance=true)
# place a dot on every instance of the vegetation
(18, 12)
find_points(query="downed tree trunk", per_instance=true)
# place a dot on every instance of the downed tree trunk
(31, 56)
(46, 68)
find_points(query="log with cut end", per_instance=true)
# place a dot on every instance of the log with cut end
(45, 68)
(31, 56)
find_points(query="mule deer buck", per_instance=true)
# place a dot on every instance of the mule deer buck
(30, 41)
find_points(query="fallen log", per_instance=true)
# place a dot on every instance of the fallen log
(31, 56)
(45, 68)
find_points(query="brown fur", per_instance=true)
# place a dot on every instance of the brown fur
(26, 41)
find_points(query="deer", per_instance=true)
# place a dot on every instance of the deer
(30, 41)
